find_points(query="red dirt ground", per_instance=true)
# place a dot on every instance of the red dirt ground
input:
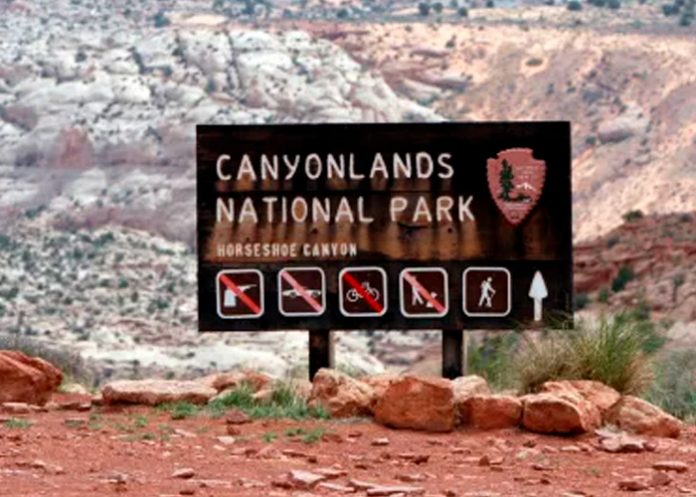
(134, 451)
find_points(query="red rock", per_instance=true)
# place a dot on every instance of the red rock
(27, 379)
(155, 392)
(224, 381)
(633, 485)
(565, 413)
(676, 466)
(464, 388)
(492, 411)
(641, 417)
(304, 480)
(598, 394)
(659, 479)
(417, 403)
(341, 395)
(73, 150)
(236, 417)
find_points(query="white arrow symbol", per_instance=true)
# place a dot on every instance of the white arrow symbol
(538, 292)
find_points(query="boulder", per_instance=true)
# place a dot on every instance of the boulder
(154, 392)
(564, 413)
(341, 395)
(417, 403)
(490, 412)
(595, 392)
(464, 388)
(27, 379)
(234, 379)
(641, 417)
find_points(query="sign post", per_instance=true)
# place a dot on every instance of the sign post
(446, 226)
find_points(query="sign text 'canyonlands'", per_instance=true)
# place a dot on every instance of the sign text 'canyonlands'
(384, 226)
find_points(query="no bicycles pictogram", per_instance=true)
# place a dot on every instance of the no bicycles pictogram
(363, 291)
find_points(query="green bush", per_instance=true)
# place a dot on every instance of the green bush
(463, 12)
(161, 20)
(603, 296)
(580, 301)
(614, 4)
(633, 215)
(625, 275)
(674, 388)
(615, 352)
(424, 9)
(493, 359)
(574, 5)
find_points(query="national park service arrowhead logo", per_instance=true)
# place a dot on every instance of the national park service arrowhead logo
(516, 179)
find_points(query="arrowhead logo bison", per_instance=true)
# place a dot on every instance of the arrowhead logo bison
(516, 179)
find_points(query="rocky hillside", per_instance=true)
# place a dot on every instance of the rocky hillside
(629, 93)
(648, 261)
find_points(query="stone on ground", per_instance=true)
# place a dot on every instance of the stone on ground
(565, 413)
(489, 412)
(417, 403)
(27, 379)
(155, 392)
(600, 395)
(641, 417)
(341, 395)
(235, 379)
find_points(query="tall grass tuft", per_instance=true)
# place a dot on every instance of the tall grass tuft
(674, 388)
(617, 352)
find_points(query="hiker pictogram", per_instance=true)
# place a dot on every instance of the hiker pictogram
(424, 292)
(301, 291)
(487, 292)
(239, 293)
(363, 291)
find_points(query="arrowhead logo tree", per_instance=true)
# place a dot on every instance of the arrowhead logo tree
(516, 180)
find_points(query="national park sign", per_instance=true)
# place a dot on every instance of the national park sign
(384, 226)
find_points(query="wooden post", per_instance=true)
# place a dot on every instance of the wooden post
(452, 353)
(321, 351)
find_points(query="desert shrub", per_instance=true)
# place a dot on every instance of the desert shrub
(674, 388)
(463, 12)
(633, 215)
(437, 7)
(625, 275)
(612, 352)
(161, 20)
(424, 9)
(580, 301)
(603, 296)
(342, 13)
(614, 4)
(490, 4)
(574, 5)
(670, 9)
(493, 359)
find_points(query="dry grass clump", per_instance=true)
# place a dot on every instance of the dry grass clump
(617, 352)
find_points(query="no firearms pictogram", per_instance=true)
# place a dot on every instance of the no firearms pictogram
(239, 293)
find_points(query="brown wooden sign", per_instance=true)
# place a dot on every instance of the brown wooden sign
(384, 226)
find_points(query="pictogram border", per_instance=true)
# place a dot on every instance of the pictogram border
(341, 295)
(323, 292)
(487, 314)
(402, 293)
(262, 293)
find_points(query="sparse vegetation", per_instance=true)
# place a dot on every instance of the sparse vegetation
(624, 276)
(180, 410)
(674, 388)
(581, 300)
(493, 359)
(17, 424)
(616, 352)
(284, 403)
(574, 5)
(424, 9)
(633, 215)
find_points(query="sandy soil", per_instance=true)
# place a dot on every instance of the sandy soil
(135, 451)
